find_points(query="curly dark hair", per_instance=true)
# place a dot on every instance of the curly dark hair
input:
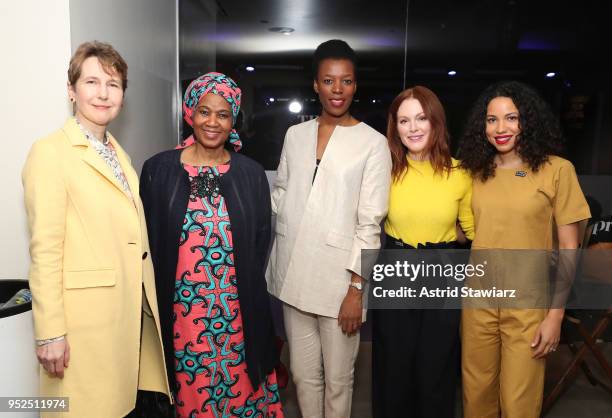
(540, 134)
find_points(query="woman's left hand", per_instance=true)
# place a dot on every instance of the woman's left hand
(349, 317)
(547, 336)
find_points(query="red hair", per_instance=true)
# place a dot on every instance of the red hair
(438, 146)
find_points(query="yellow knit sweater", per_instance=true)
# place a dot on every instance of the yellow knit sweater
(424, 207)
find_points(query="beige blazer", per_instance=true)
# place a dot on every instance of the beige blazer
(90, 264)
(322, 227)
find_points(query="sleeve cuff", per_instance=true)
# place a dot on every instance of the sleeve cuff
(40, 343)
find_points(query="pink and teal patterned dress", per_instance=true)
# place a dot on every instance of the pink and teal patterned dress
(208, 340)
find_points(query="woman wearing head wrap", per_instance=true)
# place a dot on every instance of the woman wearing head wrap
(208, 215)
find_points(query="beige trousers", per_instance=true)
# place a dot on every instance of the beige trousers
(499, 376)
(322, 363)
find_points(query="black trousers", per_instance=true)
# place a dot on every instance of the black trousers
(152, 405)
(415, 363)
(415, 359)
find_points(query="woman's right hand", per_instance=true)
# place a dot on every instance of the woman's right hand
(54, 357)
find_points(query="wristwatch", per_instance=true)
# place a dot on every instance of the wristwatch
(357, 285)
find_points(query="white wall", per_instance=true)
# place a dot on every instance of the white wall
(145, 34)
(35, 44)
(36, 40)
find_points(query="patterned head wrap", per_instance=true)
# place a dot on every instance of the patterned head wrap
(215, 83)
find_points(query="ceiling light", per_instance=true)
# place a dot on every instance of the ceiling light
(452, 73)
(285, 30)
(295, 107)
(271, 99)
(551, 74)
(249, 68)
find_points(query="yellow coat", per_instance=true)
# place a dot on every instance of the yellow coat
(90, 263)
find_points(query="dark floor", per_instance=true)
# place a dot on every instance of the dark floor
(580, 400)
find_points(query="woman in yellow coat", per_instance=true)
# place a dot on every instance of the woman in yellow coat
(95, 312)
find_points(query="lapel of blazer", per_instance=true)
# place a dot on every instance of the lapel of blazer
(334, 151)
(126, 166)
(91, 157)
(177, 182)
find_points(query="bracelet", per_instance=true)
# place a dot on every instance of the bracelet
(40, 343)
(357, 285)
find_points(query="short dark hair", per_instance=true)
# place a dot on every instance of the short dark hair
(336, 49)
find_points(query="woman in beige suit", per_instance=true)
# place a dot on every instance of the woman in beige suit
(330, 196)
(95, 313)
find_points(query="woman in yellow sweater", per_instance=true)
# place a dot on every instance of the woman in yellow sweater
(416, 352)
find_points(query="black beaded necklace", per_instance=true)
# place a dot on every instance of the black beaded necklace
(205, 184)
